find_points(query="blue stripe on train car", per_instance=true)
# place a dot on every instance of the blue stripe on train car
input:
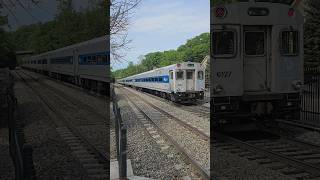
(100, 58)
(153, 79)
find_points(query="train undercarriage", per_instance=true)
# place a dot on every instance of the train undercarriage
(236, 110)
(181, 97)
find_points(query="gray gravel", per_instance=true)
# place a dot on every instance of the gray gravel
(88, 113)
(195, 146)
(52, 158)
(312, 137)
(147, 158)
(231, 166)
(201, 123)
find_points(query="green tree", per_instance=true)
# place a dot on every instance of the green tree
(7, 55)
(194, 49)
(68, 27)
(312, 33)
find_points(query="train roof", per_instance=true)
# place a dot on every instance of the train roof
(99, 39)
(256, 13)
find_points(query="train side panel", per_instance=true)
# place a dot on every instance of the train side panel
(93, 61)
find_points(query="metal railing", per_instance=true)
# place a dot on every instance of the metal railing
(21, 153)
(310, 100)
(121, 137)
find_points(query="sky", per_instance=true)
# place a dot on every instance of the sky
(160, 25)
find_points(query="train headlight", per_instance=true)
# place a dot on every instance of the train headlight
(217, 89)
(291, 12)
(297, 85)
(220, 12)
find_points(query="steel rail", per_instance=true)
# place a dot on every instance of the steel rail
(65, 96)
(102, 157)
(307, 167)
(203, 112)
(186, 155)
(188, 126)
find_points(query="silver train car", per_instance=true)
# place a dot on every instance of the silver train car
(256, 60)
(181, 82)
(85, 64)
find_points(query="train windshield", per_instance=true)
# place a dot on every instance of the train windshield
(223, 43)
(179, 75)
(189, 75)
(254, 43)
(289, 43)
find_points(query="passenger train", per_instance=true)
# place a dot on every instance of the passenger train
(85, 64)
(182, 82)
(256, 60)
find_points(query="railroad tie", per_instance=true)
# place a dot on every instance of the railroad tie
(89, 162)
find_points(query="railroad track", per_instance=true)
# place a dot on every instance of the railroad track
(199, 111)
(293, 158)
(185, 124)
(92, 159)
(154, 116)
(72, 100)
(196, 110)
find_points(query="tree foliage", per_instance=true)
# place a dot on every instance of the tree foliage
(120, 15)
(312, 32)
(7, 55)
(193, 50)
(68, 27)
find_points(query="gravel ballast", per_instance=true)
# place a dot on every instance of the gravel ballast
(52, 157)
(147, 157)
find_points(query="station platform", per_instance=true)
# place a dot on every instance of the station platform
(114, 171)
(6, 166)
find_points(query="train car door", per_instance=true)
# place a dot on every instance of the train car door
(190, 83)
(255, 57)
(180, 81)
(75, 66)
(171, 83)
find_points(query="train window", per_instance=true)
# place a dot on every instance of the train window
(289, 43)
(200, 75)
(223, 43)
(179, 75)
(254, 43)
(189, 75)
(160, 79)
